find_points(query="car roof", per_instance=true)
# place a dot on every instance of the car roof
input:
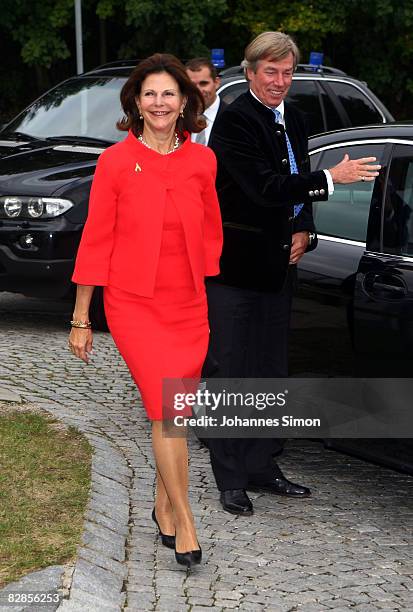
(322, 76)
(398, 130)
(110, 71)
(233, 73)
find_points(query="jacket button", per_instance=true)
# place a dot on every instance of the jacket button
(316, 192)
(291, 218)
(285, 247)
(284, 161)
(278, 132)
(311, 193)
(322, 191)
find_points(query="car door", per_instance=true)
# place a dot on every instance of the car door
(322, 322)
(383, 299)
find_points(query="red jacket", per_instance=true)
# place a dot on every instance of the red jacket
(121, 240)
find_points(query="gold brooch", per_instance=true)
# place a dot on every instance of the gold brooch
(138, 168)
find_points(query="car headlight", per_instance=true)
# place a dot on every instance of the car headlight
(24, 207)
(12, 207)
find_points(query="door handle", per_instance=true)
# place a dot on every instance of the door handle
(391, 288)
(385, 286)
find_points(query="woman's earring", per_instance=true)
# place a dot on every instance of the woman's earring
(140, 114)
(181, 114)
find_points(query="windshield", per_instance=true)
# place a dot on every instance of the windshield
(87, 107)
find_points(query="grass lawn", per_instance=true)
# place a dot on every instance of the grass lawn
(44, 486)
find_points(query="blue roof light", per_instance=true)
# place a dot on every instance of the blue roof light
(316, 59)
(217, 58)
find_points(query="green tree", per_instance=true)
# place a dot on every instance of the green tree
(173, 26)
(378, 46)
(370, 40)
(42, 30)
(308, 22)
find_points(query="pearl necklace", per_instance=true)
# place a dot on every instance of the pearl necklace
(174, 148)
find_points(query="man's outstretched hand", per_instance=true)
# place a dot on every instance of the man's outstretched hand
(353, 170)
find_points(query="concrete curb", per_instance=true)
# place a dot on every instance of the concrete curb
(97, 580)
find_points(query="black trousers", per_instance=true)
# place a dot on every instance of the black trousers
(249, 339)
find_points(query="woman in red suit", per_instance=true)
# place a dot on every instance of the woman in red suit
(153, 233)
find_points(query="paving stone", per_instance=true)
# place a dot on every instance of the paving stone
(97, 581)
(110, 523)
(9, 396)
(102, 561)
(114, 550)
(47, 580)
(86, 601)
(103, 532)
(137, 603)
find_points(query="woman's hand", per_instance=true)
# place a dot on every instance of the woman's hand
(80, 343)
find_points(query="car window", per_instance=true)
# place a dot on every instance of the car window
(304, 95)
(79, 107)
(333, 119)
(398, 205)
(346, 213)
(231, 93)
(358, 107)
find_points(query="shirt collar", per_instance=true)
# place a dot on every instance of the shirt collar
(212, 110)
(279, 108)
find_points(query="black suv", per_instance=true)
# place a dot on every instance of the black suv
(48, 155)
(330, 98)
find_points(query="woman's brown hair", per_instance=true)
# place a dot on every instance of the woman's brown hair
(161, 62)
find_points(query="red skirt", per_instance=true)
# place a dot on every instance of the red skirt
(165, 336)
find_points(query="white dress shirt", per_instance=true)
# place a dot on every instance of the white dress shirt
(210, 114)
(280, 109)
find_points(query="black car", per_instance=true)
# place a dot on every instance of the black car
(358, 283)
(48, 156)
(353, 315)
(331, 99)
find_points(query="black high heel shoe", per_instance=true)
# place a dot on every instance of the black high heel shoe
(167, 540)
(192, 557)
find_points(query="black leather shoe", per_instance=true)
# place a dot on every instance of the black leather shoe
(190, 558)
(236, 501)
(167, 540)
(281, 486)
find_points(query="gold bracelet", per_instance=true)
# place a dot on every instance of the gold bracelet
(81, 324)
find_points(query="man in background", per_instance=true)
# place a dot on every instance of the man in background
(204, 75)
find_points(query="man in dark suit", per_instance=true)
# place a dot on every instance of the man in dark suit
(203, 74)
(266, 190)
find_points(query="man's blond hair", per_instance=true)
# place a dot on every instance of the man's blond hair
(273, 46)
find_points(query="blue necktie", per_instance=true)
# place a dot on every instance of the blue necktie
(293, 163)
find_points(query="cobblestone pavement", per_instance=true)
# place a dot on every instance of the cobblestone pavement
(347, 547)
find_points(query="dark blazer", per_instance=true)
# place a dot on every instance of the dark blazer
(222, 106)
(257, 193)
